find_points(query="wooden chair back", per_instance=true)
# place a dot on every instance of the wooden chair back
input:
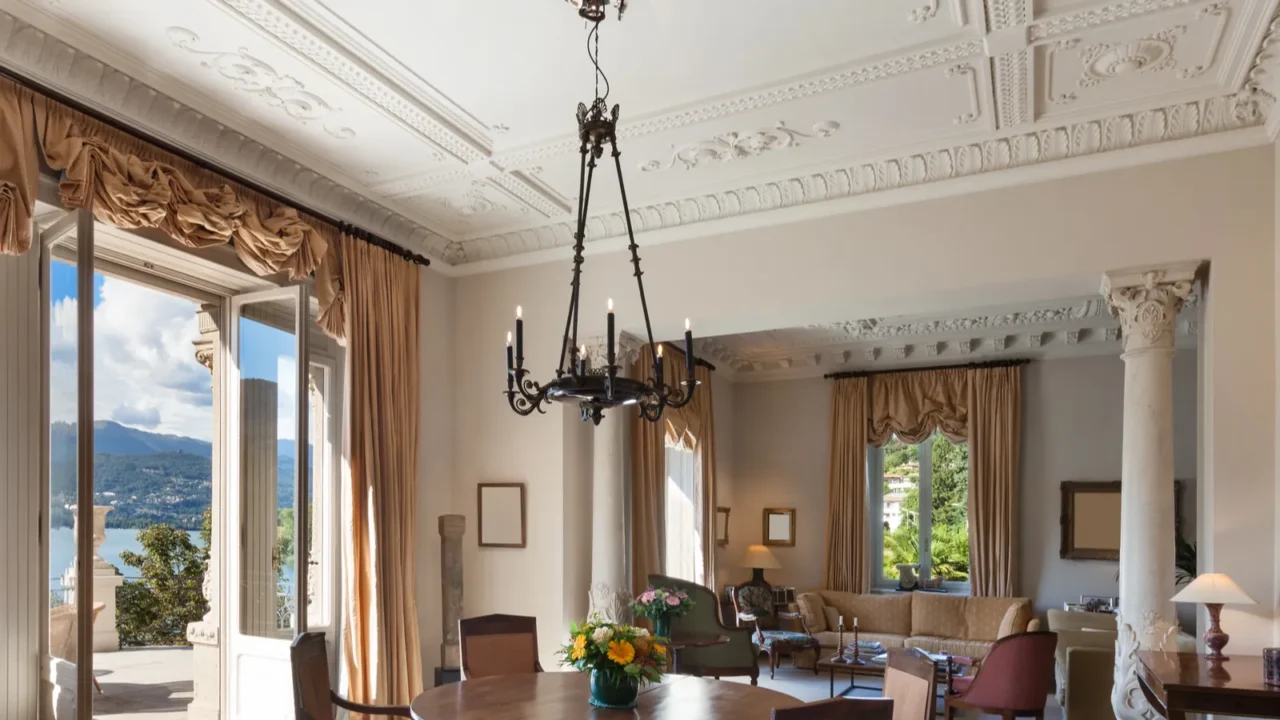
(911, 681)
(839, 709)
(312, 694)
(498, 645)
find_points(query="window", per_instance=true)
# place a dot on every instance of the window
(904, 478)
(683, 500)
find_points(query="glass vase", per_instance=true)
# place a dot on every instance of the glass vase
(614, 691)
(662, 626)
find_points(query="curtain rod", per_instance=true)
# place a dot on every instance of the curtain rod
(869, 373)
(211, 166)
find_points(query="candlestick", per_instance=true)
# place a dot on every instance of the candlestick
(657, 369)
(688, 350)
(519, 336)
(840, 655)
(612, 359)
(509, 365)
(582, 361)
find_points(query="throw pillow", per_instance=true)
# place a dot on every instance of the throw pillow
(1007, 626)
(811, 609)
(832, 616)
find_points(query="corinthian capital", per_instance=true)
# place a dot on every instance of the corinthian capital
(1147, 301)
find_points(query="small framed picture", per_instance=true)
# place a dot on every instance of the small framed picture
(500, 513)
(780, 526)
(722, 526)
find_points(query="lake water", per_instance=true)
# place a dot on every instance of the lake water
(62, 550)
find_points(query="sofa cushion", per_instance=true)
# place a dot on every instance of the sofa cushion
(938, 615)
(1078, 620)
(810, 606)
(1087, 638)
(796, 640)
(831, 616)
(889, 613)
(1007, 622)
(976, 649)
(983, 616)
(831, 639)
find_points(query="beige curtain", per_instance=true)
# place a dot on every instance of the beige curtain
(648, 476)
(995, 435)
(847, 568)
(913, 405)
(19, 168)
(381, 648)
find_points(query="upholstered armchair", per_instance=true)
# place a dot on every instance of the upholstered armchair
(775, 632)
(734, 658)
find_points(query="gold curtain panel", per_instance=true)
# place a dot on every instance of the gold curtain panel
(914, 404)
(847, 567)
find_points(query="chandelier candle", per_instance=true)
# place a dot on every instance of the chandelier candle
(595, 392)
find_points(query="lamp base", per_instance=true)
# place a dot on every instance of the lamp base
(757, 579)
(1214, 639)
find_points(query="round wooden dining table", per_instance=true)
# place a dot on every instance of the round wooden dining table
(563, 696)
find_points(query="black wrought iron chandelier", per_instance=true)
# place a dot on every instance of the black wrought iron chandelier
(598, 389)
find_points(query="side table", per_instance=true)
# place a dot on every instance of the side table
(1179, 683)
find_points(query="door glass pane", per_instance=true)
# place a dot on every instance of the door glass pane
(319, 494)
(268, 363)
(949, 544)
(63, 496)
(901, 521)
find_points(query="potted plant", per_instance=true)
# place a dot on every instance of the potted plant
(619, 658)
(660, 604)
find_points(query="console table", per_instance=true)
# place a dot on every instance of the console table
(1179, 683)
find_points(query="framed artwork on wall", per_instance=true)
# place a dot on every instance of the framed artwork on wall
(500, 513)
(780, 526)
(722, 526)
(1091, 519)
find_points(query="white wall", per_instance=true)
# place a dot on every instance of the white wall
(1031, 242)
(724, 399)
(782, 437)
(1072, 420)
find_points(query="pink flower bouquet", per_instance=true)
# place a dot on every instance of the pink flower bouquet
(660, 602)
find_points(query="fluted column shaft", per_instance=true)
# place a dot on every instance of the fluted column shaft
(1147, 304)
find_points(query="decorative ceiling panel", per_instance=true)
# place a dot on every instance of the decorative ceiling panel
(449, 126)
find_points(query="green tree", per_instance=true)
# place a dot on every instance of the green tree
(156, 608)
(950, 483)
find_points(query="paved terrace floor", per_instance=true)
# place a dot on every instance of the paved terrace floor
(143, 684)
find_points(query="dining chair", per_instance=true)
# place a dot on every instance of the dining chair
(1013, 681)
(911, 682)
(839, 709)
(312, 697)
(498, 645)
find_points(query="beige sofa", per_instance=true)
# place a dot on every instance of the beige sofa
(934, 622)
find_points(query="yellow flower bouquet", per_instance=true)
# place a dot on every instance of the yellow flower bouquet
(619, 658)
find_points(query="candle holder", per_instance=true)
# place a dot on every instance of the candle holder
(857, 649)
(840, 658)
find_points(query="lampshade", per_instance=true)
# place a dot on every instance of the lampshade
(1214, 588)
(759, 556)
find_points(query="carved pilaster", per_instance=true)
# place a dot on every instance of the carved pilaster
(1147, 303)
(451, 529)
(205, 634)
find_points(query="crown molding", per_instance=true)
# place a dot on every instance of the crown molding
(1025, 149)
(52, 61)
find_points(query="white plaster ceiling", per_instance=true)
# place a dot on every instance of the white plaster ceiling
(1068, 327)
(449, 127)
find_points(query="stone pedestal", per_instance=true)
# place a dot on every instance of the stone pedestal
(105, 577)
(452, 528)
(1146, 302)
(610, 585)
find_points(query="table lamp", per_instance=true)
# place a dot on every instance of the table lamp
(1214, 590)
(759, 558)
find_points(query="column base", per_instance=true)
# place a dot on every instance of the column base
(1152, 633)
(205, 671)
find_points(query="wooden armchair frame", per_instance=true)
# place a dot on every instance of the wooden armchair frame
(497, 624)
(313, 698)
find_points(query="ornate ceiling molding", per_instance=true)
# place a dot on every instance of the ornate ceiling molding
(881, 329)
(1131, 130)
(1072, 22)
(839, 80)
(740, 145)
(52, 61)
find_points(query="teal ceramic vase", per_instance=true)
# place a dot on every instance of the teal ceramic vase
(662, 626)
(606, 693)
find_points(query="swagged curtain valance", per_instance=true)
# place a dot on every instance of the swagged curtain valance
(913, 405)
(131, 184)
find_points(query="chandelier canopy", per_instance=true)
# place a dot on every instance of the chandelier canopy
(598, 389)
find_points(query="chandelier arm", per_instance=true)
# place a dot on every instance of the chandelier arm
(578, 246)
(573, 297)
(634, 248)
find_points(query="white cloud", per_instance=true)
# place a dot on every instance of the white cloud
(146, 374)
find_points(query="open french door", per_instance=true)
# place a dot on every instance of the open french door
(283, 394)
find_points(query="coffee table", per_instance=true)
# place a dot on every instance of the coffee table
(871, 668)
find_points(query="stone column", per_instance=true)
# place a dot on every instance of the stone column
(451, 530)
(610, 590)
(106, 578)
(204, 634)
(1147, 302)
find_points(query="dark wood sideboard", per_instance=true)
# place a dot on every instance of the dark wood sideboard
(1180, 683)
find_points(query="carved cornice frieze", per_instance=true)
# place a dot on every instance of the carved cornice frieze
(626, 351)
(1147, 303)
(1072, 22)
(1137, 129)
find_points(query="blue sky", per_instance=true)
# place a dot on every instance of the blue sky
(145, 372)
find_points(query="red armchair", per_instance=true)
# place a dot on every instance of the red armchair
(1013, 681)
